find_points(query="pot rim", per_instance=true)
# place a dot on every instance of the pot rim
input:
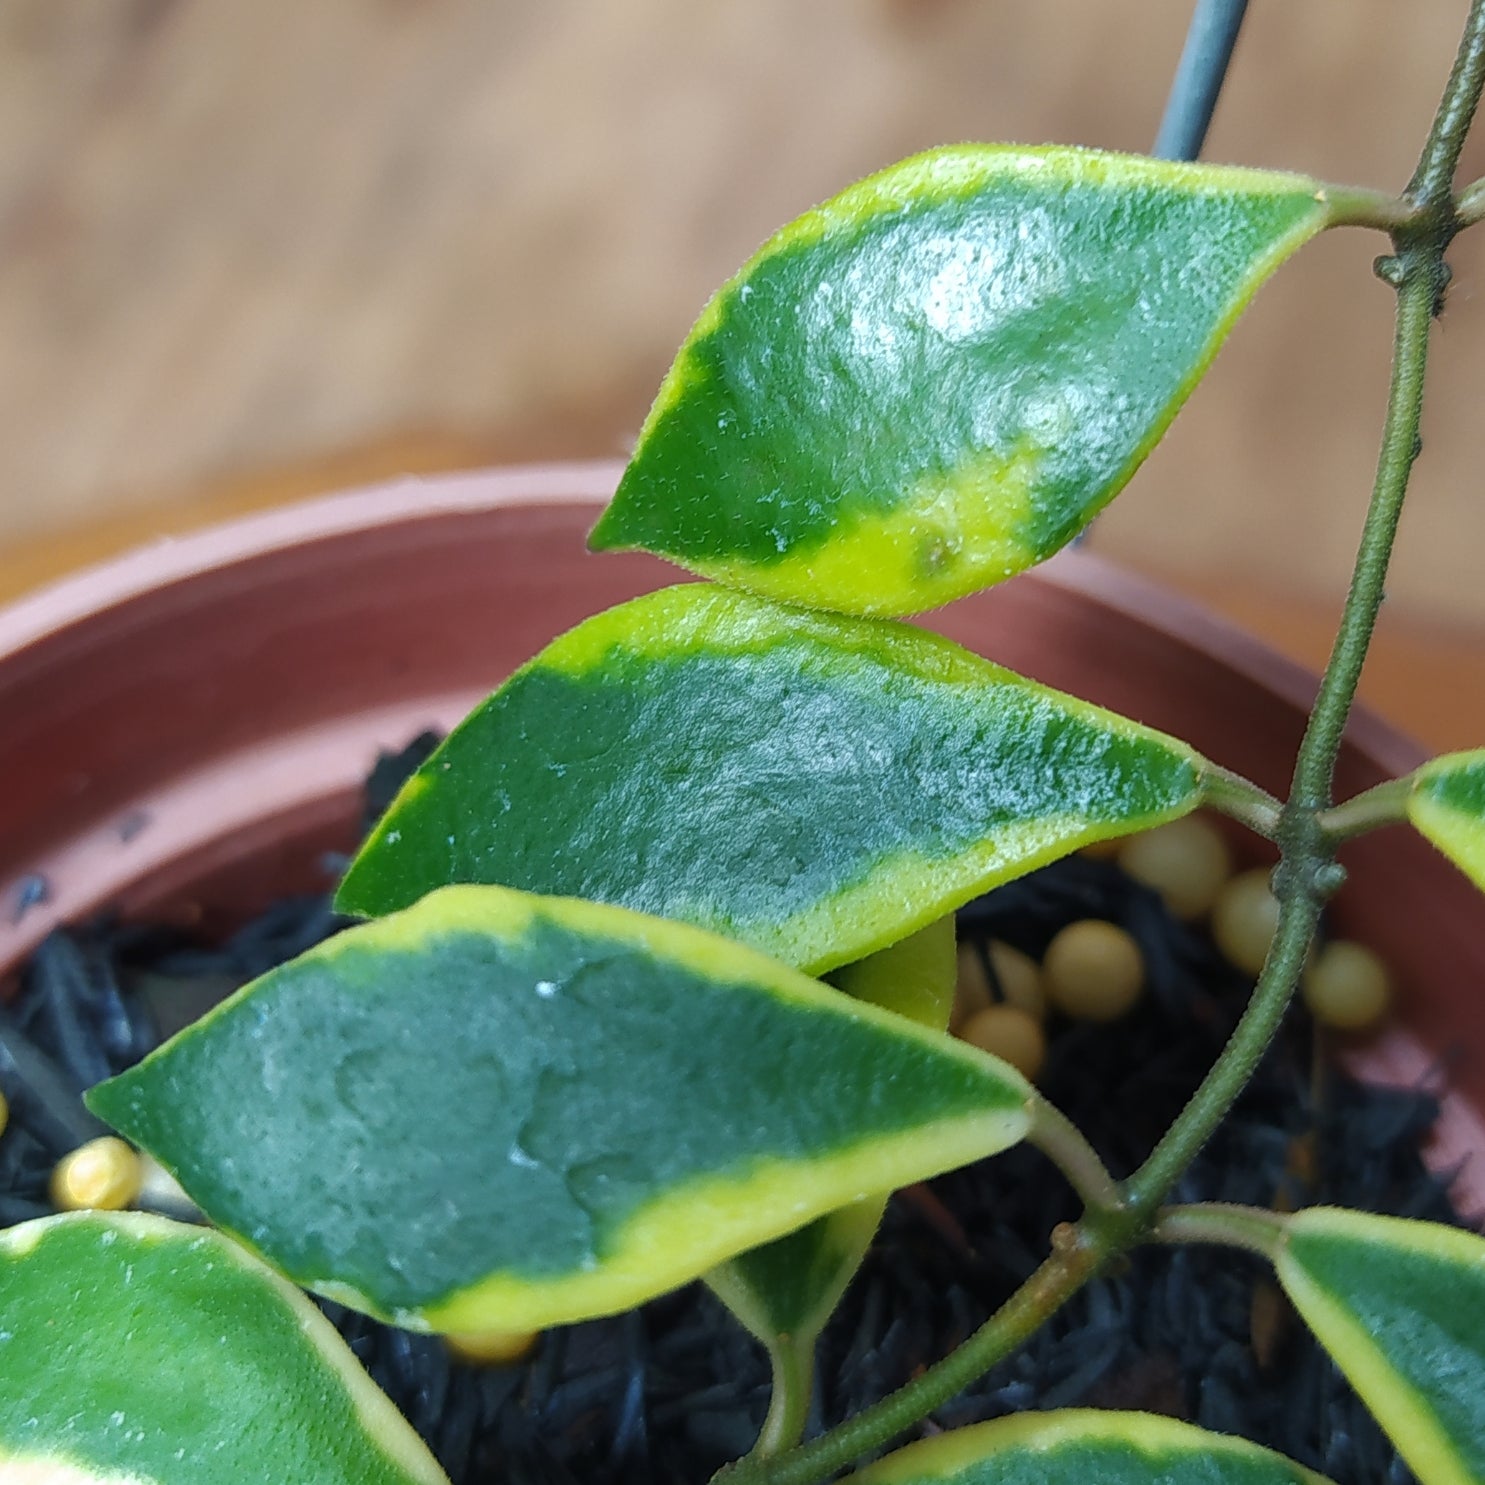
(93, 591)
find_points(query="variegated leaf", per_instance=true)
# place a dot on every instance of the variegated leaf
(137, 1351)
(785, 1291)
(937, 378)
(501, 1112)
(815, 786)
(1447, 806)
(1083, 1445)
(1400, 1306)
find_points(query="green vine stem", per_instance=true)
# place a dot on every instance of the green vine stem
(1307, 872)
(1418, 273)
(1299, 912)
(1471, 206)
(1384, 804)
(1355, 206)
(1062, 1142)
(1075, 1259)
(1231, 794)
(1433, 181)
(1232, 1226)
(792, 1360)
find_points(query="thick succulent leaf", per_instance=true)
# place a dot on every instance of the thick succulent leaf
(1084, 1445)
(136, 1351)
(785, 1291)
(502, 1112)
(1400, 1306)
(1447, 806)
(937, 378)
(817, 787)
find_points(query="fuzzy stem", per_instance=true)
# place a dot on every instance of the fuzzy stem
(1471, 205)
(1419, 271)
(1355, 206)
(1307, 873)
(1433, 180)
(1233, 1226)
(793, 1367)
(1383, 804)
(1147, 1188)
(1062, 1142)
(1232, 795)
(1075, 1259)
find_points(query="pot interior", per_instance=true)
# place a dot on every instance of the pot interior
(184, 733)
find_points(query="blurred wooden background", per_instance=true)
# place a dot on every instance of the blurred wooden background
(252, 250)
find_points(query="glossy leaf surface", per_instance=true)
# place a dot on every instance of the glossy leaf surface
(785, 1291)
(500, 1112)
(1400, 1306)
(937, 378)
(1447, 806)
(1084, 1445)
(817, 787)
(137, 1350)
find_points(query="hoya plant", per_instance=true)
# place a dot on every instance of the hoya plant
(658, 955)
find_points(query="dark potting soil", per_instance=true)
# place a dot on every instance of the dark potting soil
(674, 1390)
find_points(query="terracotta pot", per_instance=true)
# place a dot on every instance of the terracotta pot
(183, 732)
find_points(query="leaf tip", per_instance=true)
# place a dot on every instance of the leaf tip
(347, 898)
(605, 537)
(102, 1100)
(616, 529)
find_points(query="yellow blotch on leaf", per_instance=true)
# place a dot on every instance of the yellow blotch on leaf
(953, 533)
